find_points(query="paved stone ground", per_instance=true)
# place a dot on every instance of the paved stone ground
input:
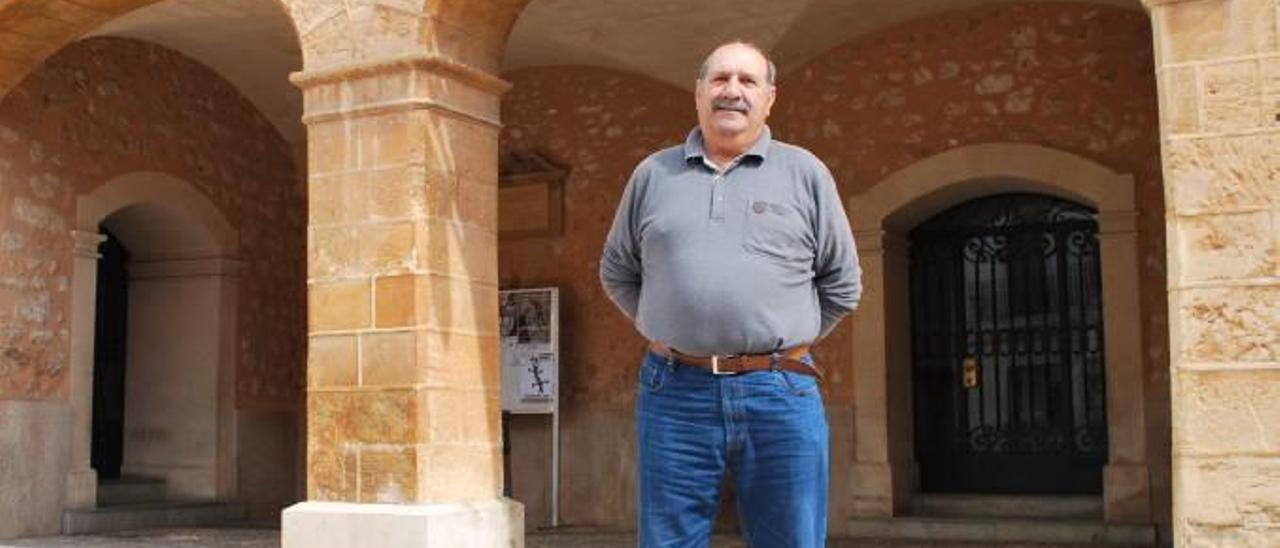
(270, 538)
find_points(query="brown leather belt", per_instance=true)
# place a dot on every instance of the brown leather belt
(787, 360)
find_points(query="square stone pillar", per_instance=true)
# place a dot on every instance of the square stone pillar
(1218, 64)
(403, 440)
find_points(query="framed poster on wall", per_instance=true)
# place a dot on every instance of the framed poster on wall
(529, 333)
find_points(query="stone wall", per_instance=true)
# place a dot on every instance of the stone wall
(106, 107)
(1068, 76)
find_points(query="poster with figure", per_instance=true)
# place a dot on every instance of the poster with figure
(530, 329)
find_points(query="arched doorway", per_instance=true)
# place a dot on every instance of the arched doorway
(1007, 348)
(164, 410)
(885, 469)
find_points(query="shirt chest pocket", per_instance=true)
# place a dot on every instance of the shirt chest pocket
(778, 231)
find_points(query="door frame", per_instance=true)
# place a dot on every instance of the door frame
(884, 469)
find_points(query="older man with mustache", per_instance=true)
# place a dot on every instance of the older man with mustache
(732, 254)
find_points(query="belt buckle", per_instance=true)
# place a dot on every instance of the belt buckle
(715, 366)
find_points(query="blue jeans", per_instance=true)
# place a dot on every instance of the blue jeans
(767, 428)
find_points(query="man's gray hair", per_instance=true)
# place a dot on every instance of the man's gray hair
(771, 76)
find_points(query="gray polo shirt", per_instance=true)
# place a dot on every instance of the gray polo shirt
(748, 260)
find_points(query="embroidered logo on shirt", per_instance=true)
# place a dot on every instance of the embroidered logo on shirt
(759, 207)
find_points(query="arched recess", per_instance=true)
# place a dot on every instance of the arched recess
(884, 470)
(180, 382)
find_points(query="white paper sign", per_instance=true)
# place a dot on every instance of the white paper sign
(530, 349)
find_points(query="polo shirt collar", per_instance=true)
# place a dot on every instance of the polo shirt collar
(693, 145)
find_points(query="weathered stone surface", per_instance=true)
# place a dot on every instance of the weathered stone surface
(1231, 246)
(1231, 536)
(332, 361)
(389, 474)
(1238, 324)
(1179, 108)
(340, 305)
(1231, 96)
(1227, 412)
(331, 474)
(1223, 174)
(388, 358)
(1236, 492)
(33, 454)
(1197, 31)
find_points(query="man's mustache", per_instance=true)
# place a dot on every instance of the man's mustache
(726, 103)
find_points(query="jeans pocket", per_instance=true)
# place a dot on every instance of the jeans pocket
(798, 384)
(654, 372)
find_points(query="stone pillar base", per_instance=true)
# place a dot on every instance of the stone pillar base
(497, 523)
(82, 489)
(1126, 493)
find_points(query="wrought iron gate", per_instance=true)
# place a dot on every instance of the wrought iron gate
(1007, 348)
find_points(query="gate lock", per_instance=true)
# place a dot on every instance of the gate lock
(970, 372)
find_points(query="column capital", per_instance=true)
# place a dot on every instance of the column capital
(1152, 4)
(423, 62)
(409, 82)
(86, 244)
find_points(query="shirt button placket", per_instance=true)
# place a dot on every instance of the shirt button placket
(717, 197)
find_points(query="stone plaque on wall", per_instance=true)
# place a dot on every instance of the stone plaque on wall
(530, 197)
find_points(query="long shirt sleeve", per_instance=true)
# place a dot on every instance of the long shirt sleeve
(620, 267)
(837, 274)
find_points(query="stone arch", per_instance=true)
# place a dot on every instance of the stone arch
(161, 196)
(184, 251)
(474, 33)
(884, 468)
(38, 29)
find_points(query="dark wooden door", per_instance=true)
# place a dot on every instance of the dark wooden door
(1007, 348)
(110, 334)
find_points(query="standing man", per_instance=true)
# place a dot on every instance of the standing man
(732, 254)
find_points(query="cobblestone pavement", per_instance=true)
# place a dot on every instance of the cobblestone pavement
(270, 538)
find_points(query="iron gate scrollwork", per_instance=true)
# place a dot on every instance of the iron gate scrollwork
(1009, 284)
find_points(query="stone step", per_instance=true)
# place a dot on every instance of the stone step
(146, 515)
(1002, 530)
(130, 490)
(1008, 506)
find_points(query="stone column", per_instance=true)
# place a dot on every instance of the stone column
(403, 443)
(884, 471)
(82, 479)
(1218, 66)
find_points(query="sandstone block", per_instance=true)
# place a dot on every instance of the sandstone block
(339, 305)
(332, 361)
(1225, 412)
(1231, 246)
(1239, 324)
(389, 358)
